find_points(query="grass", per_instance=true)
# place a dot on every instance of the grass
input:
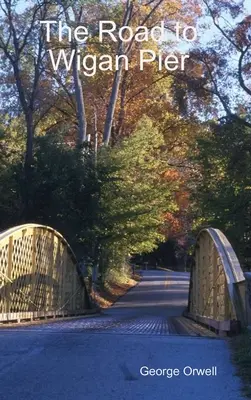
(241, 355)
(116, 285)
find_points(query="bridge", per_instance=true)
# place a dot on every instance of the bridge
(127, 350)
(39, 275)
(40, 278)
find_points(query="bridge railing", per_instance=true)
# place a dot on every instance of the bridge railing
(217, 295)
(38, 275)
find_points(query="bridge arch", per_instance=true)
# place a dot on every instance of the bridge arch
(38, 275)
(217, 283)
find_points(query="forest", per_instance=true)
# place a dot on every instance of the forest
(125, 159)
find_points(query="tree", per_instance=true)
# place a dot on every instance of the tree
(217, 79)
(222, 193)
(146, 15)
(136, 196)
(77, 10)
(22, 44)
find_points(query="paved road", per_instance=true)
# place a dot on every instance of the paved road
(101, 357)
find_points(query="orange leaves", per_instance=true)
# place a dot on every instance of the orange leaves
(173, 225)
(176, 224)
(171, 175)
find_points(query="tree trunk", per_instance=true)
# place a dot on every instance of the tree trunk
(27, 200)
(111, 106)
(117, 79)
(121, 117)
(81, 118)
(29, 138)
(95, 132)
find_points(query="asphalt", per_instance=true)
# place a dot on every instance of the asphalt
(101, 357)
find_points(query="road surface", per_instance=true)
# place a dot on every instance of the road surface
(132, 351)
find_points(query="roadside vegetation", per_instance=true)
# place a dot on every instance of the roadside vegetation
(241, 355)
(116, 284)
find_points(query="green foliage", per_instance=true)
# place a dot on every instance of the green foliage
(223, 192)
(12, 144)
(106, 210)
(137, 196)
(12, 139)
(134, 195)
(241, 356)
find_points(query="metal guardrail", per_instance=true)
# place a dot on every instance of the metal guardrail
(38, 275)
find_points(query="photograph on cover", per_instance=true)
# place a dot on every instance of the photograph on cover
(125, 199)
